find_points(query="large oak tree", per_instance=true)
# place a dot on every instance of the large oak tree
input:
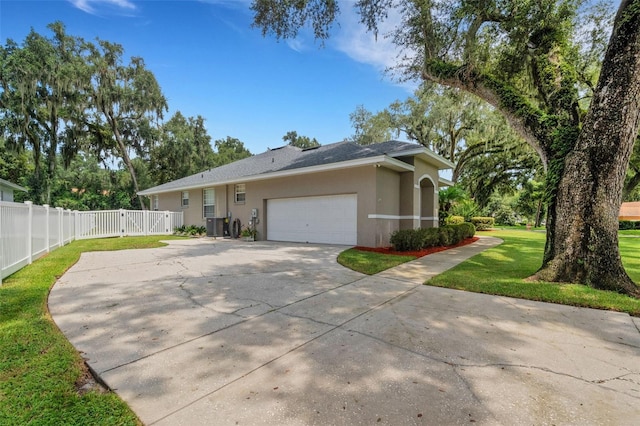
(526, 58)
(41, 101)
(127, 103)
(183, 148)
(487, 153)
(229, 150)
(62, 94)
(293, 139)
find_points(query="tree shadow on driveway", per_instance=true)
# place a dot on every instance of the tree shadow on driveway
(264, 333)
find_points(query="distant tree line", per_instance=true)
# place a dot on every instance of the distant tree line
(82, 128)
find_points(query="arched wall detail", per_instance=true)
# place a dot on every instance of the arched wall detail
(428, 202)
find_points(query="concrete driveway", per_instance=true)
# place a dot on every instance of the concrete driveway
(205, 332)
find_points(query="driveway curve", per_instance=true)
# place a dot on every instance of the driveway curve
(225, 332)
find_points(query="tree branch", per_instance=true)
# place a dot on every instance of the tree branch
(523, 117)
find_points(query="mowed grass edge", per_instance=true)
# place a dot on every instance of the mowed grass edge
(40, 371)
(502, 271)
(370, 263)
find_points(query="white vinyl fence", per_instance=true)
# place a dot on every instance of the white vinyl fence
(28, 231)
(120, 223)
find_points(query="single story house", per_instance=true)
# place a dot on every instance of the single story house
(629, 211)
(342, 193)
(7, 189)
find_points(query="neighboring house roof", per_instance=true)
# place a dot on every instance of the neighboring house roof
(630, 211)
(13, 186)
(289, 160)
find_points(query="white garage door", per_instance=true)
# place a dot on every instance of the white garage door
(328, 219)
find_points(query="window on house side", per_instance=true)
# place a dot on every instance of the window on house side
(185, 198)
(156, 201)
(209, 203)
(240, 193)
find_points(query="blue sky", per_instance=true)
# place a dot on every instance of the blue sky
(210, 62)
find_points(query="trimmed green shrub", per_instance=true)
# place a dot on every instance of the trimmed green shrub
(431, 237)
(447, 235)
(483, 223)
(406, 240)
(628, 224)
(454, 220)
(468, 229)
(458, 233)
(421, 236)
(417, 239)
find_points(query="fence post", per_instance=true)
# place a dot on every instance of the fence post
(60, 227)
(72, 226)
(1, 246)
(46, 221)
(122, 222)
(76, 226)
(65, 221)
(30, 231)
(145, 220)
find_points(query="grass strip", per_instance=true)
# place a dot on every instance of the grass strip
(370, 263)
(629, 233)
(40, 371)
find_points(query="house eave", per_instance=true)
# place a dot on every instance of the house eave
(442, 182)
(13, 186)
(429, 156)
(378, 161)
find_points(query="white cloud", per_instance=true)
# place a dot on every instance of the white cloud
(353, 39)
(89, 6)
(296, 44)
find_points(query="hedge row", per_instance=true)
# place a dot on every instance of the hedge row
(629, 224)
(417, 239)
(483, 223)
(454, 220)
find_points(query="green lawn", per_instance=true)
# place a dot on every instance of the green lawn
(369, 262)
(39, 369)
(502, 270)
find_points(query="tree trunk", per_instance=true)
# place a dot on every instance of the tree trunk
(125, 157)
(132, 170)
(539, 214)
(582, 216)
(582, 223)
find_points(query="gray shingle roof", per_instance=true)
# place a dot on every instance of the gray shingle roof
(282, 159)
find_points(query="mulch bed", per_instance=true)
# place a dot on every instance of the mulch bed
(419, 253)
